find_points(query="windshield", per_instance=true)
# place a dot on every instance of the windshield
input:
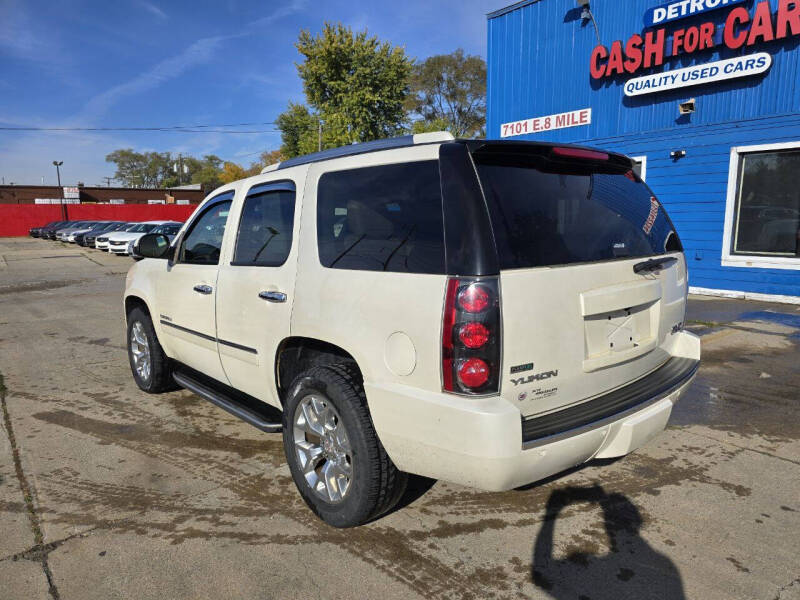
(167, 229)
(546, 214)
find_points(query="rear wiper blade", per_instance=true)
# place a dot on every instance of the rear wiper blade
(654, 263)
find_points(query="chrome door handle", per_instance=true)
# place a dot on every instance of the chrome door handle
(203, 289)
(272, 296)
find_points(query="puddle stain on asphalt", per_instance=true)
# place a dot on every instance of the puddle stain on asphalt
(39, 286)
(756, 398)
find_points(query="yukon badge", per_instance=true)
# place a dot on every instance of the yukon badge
(537, 377)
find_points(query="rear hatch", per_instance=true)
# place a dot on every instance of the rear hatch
(592, 273)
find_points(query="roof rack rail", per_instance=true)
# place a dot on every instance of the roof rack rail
(363, 147)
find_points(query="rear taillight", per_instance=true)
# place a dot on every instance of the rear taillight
(471, 336)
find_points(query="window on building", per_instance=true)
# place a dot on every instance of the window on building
(385, 218)
(767, 209)
(265, 229)
(640, 166)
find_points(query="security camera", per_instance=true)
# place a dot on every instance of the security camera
(686, 108)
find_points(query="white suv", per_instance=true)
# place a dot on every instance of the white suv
(484, 312)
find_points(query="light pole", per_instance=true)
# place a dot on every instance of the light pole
(57, 164)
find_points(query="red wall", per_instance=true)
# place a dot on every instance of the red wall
(17, 219)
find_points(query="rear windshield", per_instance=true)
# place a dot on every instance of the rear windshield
(544, 214)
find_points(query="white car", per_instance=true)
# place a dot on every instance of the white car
(101, 242)
(119, 240)
(484, 312)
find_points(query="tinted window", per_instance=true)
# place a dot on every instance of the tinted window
(265, 229)
(768, 205)
(170, 229)
(555, 216)
(386, 218)
(202, 244)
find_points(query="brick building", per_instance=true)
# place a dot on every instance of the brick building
(47, 194)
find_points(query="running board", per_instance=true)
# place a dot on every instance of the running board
(227, 403)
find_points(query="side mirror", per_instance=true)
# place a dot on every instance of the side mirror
(153, 245)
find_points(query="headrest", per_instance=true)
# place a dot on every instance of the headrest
(364, 220)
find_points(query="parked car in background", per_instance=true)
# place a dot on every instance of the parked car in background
(87, 238)
(118, 242)
(37, 231)
(72, 237)
(62, 235)
(101, 241)
(170, 230)
(49, 233)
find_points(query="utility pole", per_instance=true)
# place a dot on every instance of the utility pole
(108, 180)
(57, 164)
(179, 168)
(319, 136)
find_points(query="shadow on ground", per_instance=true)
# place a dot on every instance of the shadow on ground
(628, 567)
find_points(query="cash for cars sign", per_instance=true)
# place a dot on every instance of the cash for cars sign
(743, 28)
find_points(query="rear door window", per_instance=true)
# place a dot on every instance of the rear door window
(549, 214)
(384, 218)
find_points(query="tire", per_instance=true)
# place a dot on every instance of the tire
(374, 484)
(158, 377)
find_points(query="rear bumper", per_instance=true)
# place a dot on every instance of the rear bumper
(480, 442)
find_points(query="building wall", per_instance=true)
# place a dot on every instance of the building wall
(27, 194)
(538, 58)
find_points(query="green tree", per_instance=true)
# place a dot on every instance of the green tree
(206, 172)
(451, 89)
(356, 85)
(298, 130)
(140, 169)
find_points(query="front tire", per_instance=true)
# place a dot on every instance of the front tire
(337, 461)
(149, 365)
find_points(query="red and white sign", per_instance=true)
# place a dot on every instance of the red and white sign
(575, 118)
(651, 218)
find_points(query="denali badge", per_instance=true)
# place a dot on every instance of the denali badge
(521, 368)
(537, 377)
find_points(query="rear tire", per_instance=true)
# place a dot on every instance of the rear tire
(337, 461)
(149, 365)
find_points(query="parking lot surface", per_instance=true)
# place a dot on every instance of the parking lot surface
(107, 492)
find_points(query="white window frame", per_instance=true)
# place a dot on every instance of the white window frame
(750, 261)
(643, 160)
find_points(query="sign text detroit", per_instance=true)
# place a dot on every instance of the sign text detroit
(740, 30)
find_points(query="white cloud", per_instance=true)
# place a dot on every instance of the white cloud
(153, 10)
(197, 53)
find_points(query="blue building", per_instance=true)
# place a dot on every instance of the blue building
(704, 94)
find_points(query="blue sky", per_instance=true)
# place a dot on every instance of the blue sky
(142, 63)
